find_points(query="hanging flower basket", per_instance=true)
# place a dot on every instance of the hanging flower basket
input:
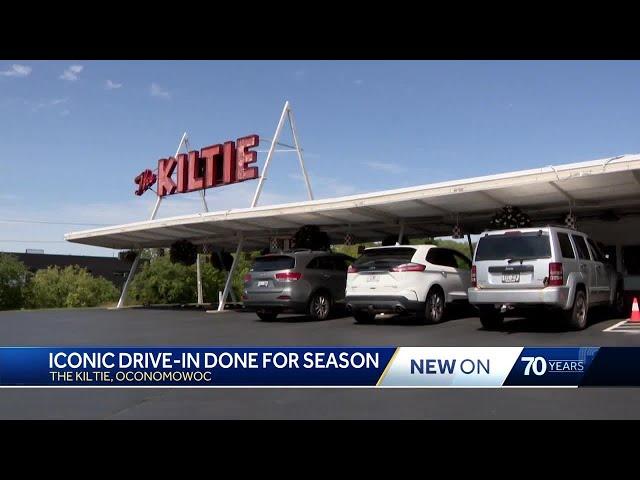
(183, 251)
(128, 256)
(571, 221)
(509, 217)
(311, 237)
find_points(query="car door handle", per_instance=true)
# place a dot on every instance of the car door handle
(326, 275)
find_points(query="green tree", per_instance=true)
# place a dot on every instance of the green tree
(68, 287)
(162, 281)
(12, 280)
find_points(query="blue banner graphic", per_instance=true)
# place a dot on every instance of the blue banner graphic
(199, 366)
(386, 367)
(560, 366)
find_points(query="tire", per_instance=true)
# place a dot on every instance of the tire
(434, 307)
(491, 318)
(320, 306)
(362, 316)
(577, 316)
(267, 316)
(617, 309)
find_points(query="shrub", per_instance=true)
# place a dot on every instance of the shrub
(163, 281)
(68, 287)
(12, 279)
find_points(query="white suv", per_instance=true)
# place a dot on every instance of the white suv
(420, 279)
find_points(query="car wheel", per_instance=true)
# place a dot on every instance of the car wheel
(576, 316)
(434, 307)
(267, 316)
(491, 318)
(362, 316)
(320, 306)
(618, 301)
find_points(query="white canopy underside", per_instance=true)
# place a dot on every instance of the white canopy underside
(545, 194)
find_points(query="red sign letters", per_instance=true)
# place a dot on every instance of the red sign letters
(144, 181)
(213, 166)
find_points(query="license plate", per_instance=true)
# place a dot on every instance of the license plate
(510, 277)
(263, 283)
(373, 278)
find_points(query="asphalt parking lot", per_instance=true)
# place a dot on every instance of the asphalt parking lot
(196, 327)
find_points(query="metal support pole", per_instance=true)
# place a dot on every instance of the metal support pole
(134, 267)
(159, 199)
(300, 158)
(256, 196)
(125, 289)
(226, 275)
(202, 197)
(199, 279)
(401, 234)
(470, 245)
(227, 284)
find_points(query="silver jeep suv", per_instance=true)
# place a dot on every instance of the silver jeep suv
(550, 266)
(304, 281)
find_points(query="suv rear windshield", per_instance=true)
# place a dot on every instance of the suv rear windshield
(529, 245)
(273, 262)
(384, 258)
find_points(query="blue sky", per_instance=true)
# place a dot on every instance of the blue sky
(73, 134)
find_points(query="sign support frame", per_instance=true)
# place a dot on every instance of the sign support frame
(287, 114)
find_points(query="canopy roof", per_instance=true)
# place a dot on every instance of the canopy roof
(592, 188)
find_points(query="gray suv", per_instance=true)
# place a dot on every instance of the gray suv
(300, 282)
(552, 267)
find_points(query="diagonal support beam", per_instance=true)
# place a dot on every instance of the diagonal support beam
(563, 192)
(424, 203)
(374, 213)
(500, 203)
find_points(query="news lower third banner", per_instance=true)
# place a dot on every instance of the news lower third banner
(383, 367)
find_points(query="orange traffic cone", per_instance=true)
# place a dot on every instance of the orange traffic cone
(635, 312)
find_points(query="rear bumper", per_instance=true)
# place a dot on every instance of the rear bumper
(383, 303)
(280, 305)
(549, 296)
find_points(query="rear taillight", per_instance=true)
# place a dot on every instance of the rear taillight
(474, 276)
(556, 276)
(288, 276)
(408, 267)
(247, 278)
(352, 269)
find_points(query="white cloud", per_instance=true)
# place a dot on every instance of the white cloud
(157, 91)
(47, 103)
(71, 73)
(17, 70)
(393, 168)
(358, 82)
(299, 74)
(65, 112)
(110, 85)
